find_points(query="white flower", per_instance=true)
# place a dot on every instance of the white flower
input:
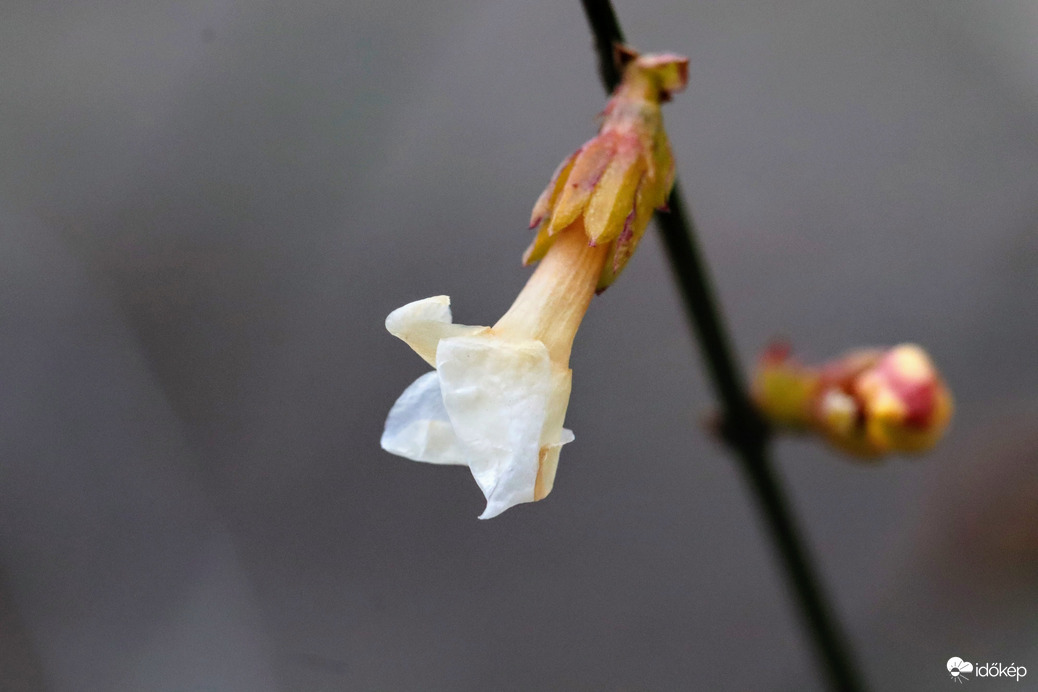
(497, 399)
(493, 404)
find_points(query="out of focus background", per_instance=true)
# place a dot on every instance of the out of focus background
(207, 208)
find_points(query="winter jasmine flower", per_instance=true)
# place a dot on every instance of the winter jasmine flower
(497, 399)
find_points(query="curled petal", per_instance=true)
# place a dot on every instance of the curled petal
(423, 323)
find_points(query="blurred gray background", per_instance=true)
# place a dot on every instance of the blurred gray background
(207, 208)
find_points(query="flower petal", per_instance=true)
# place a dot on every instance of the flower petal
(418, 427)
(548, 464)
(497, 393)
(553, 435)
(423, 323)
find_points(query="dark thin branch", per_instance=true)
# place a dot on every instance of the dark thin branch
(744, 431)
(606, 30)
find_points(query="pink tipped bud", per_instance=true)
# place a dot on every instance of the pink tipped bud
(907, 405)
(868, 402)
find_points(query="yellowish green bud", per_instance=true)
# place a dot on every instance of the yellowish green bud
(610, 186)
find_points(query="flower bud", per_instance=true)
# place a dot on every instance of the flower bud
(612, 184)
(908, 407)
(868, 402)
